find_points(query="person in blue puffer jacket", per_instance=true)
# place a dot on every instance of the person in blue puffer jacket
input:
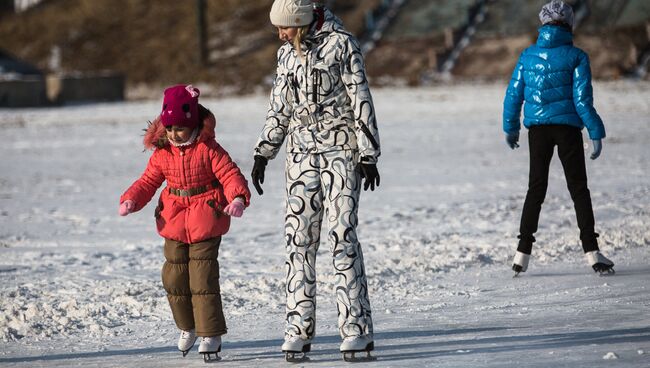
(552, 80)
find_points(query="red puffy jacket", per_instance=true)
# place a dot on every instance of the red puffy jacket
(203, 167)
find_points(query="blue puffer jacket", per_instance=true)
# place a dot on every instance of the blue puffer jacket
(554, 78)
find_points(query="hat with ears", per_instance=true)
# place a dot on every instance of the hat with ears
(180, 106)
(556, 11)
(292, 13)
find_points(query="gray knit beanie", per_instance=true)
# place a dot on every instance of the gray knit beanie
(291, 13)
(556, 10)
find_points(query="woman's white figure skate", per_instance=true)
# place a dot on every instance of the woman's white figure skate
(295, 349)
(186, 341)
(600, 263)
(210, 347)
(357, 344)
(520, 262)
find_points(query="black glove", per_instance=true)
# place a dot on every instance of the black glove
(598, 146)
(258, 173)
(370, 173)
(512, 140)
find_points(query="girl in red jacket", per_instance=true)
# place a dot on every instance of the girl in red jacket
(204, 189)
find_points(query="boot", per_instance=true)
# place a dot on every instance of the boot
(296, 344)
(520, 262)
(209, 347)
(357, 344)
(186, 341)
(296, 349)
(599, 262)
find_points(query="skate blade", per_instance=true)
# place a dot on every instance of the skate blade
(292, 357)
(351, 357)
(211, 357)
(604, 270)
(185, 352)
(607, 272)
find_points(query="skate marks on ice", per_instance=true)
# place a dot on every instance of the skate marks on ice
(514, 344)
(453, 345)
(167, 351)
(326, 349)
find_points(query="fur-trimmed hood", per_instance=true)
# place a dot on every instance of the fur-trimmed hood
(155, 135)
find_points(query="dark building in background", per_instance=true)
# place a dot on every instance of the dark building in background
(21, 84)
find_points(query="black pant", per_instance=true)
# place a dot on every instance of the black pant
(542, 141)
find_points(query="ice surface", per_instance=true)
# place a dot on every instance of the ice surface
(80, 285)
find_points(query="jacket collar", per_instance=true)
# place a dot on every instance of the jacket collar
(189, 142)
(155, 135)
(331, 23)
(553, 36)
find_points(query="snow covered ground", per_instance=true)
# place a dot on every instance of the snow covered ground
(80, 286)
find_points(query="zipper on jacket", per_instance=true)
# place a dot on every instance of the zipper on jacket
(184, 184)
(293, 81)
(314, 86)
(306, 77)
(182, 154)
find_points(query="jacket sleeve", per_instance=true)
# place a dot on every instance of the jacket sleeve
(226, 170)
(143, 189)
(353, 74)
(277, 118)
(583, 98)
(514, 99)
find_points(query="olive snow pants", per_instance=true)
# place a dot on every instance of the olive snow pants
(190, 277)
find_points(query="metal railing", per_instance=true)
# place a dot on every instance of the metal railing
(377, 21)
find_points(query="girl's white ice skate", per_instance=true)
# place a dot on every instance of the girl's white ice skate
(295, 349)
(357, 344)
(209, 347)
(600, 263)
(186, 341)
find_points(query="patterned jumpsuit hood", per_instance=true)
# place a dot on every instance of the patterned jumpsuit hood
(321, 101)
(553, 78)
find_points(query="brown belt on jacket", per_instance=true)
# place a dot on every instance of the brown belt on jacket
(193, 191)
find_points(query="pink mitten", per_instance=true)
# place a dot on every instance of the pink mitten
(235, 208)
(126, 207)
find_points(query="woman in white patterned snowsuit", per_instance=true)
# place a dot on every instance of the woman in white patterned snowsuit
(321, 103)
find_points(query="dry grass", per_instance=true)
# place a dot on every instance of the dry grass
(154, 42)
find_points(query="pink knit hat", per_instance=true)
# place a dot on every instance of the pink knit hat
(181, 106)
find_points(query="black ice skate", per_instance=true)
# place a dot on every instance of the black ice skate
(357, 344)
(295, 349)
(600, 263)
(210, 347)
(520, 262)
